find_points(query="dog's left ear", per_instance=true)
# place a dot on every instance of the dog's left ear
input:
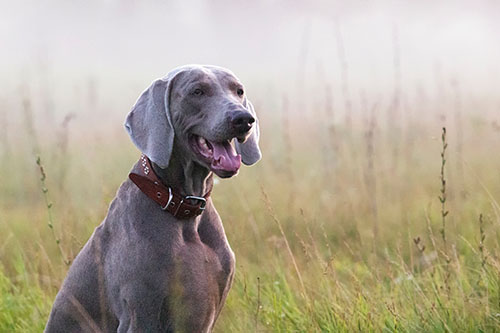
(149, 123)
(249, 150)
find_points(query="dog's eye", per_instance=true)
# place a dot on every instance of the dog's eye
(198, 92)
(240, 92)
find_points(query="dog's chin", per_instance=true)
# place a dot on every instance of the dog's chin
(219, 157)
(225, 174)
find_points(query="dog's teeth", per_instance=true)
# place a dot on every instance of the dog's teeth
(203, 143)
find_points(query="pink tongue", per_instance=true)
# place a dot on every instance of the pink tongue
(225, 157)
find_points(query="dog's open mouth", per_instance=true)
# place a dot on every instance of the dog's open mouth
(220, 156)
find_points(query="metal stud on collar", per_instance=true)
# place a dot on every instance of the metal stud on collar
(144, 162)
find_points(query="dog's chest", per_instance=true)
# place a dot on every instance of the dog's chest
(206, 270)
(200, 279)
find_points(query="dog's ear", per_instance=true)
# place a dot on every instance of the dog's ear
(249, 150)
(149, 123)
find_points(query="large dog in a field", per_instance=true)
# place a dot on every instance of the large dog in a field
(160, 261)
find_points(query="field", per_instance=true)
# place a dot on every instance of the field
(376, 205)
(369, 221)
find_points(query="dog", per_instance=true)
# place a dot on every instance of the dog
(160, 261)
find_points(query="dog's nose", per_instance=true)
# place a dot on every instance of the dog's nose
(242, 121)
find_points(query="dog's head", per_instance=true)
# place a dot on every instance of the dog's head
(205, 112)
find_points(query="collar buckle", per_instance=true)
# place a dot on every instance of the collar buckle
(177, 205)
(202, 200)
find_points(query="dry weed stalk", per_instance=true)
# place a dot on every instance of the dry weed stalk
(301, 68)
(442, 197)
(394, 119)
(369, 174)
(85, 319)
(444, 211)
(30, 128)
(292, 257)
(344, 76)
(49, 206)
(419, 244)
(331, 148)
(287, 140)
(460, 129)
(482, 237)
(311, 237)
(441, 97)
(259, 306)
(63, 139)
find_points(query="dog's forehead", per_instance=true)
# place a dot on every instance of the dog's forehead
(210, 75)
(224, 75)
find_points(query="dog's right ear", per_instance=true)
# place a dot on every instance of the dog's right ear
(149, 123)
(249, 150)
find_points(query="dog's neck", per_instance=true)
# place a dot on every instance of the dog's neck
(185, 175)
(188, 178)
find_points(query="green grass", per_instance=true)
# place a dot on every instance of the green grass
(332, 232)
(23, 303)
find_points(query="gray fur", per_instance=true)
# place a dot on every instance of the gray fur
(249, 150)
(143, 270)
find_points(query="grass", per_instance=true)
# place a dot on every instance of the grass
(335, 230)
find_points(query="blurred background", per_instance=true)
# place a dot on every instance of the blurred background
(108, 51)
(339, 227)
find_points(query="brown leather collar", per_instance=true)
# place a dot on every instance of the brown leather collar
(179, 206)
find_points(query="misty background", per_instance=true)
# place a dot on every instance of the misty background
(92, 59)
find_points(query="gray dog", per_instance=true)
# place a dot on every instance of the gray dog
(160, 261)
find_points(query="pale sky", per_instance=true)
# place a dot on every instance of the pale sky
(119, 43)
